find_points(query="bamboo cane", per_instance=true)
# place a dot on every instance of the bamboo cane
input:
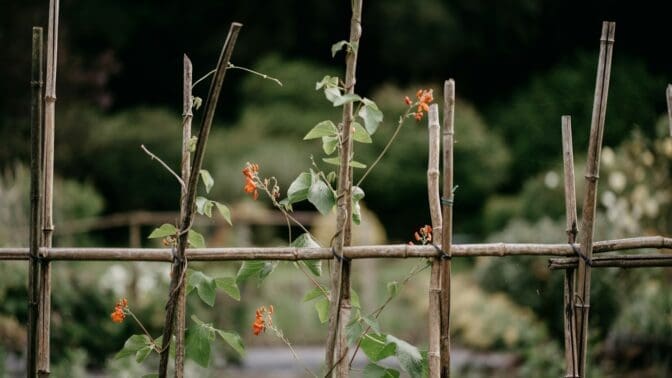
(399, 251)
(187, 116)
(179, 259)
(48, 187)
(569, 279)
(582, 300)
(669, 105)
(447, 229)
(36, 177)
(434, 322)
(616, 261)
(336, 350)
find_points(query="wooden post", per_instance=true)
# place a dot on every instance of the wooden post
(48, 203)
(571, 367)
(336, 361)
(669, 105)
(187, 116)
(582, 299)
(36, 161)
(178, 272)
(447, 228)
(434, 349)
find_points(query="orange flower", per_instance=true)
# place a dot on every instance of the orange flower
(423, 235)
(262, 319)
(250, 173)
(407, 101)
(425, 97)
(259, 324)
(118, 315)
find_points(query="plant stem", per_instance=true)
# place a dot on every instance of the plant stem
(387, 146)
(262, 75)
(154, 157)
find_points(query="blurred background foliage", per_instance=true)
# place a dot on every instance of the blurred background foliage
(518, 66)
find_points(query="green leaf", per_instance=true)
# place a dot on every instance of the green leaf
(353, 330)
(376, 371)
(163, 231)
(143, 353)
(346, 98)
(331, 176)
(199, 337)
(197, 102)
(305, 241)
(298, 189)
(195, 239)
(392, 288)
(409, 356)
(204, 285)
(329, 144)
(336, 47)
(372, 322)
(322, 307)
(324, 128)
(357, 195)
(224, 211)
(356, 164)
(191, 145)
(316, 292)
(234, 341)
(249, 269)
(360, 134)
(371, 115)
(354, 299)
(133, 345)
(228, 284)
(207, 180)
(332, 160)
(327, 81)
(204, 206)
(321, 195)
(376, 347)
(332, 94)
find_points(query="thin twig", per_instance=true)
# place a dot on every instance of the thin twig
(154, 157)
(262, 75)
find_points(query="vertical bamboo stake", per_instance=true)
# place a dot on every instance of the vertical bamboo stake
(570, 209)
(582, 300)
(669, 105)
(447, 228)
(336, 361)
(187, 116)
(178, 272)
(48, 169)
(36, 161)
(434, 349)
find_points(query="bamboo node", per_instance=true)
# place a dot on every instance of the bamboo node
(592, 177)
(50, 98)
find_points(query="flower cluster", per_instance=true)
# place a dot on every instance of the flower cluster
(423, 235)
(250, 171)
(119, 313)
(425, 97)
(262, 319)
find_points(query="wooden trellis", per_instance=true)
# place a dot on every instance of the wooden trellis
(576, 259)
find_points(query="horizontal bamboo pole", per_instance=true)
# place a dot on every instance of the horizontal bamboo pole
(619, 261)
(353, 252)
